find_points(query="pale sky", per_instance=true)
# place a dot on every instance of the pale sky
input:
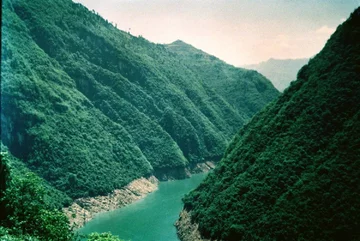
(238, 32)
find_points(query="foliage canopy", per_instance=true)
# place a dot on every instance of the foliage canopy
(293, 172)
(90, 108)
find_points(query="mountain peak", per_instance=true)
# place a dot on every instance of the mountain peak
(178, 41)
(111, 90)
(181, 45)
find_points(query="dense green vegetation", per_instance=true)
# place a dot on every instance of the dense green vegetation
(245, 90)
(89, 107)
(279, 71)
(293, 172)
(103, 237)
(28, 206)
(30, 209)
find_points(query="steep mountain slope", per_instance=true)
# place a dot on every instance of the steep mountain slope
(279, 71)
(293, 172)
(90, 108)
(246, 90)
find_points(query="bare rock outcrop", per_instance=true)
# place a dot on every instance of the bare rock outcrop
(83, 210)
(186, 230)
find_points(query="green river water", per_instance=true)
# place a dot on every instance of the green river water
(149, 219)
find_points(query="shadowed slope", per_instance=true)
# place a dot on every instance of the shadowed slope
(293, 172)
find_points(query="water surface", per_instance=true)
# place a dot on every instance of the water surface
(149, 219)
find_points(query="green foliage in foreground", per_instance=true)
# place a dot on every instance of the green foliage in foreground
(103, 237)
(6, 236)
(89, 108)
(293, 172)
(27, 208)
(26, 214)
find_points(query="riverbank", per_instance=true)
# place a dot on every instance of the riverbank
(152, 218)
(168, 174)
(203, 167)
(83, 210)
(186, 230)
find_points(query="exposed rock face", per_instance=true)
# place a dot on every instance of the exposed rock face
(167, 174)
(186, 230)
(203, 167)
(84, 209)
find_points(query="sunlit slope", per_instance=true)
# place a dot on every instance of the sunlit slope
(245, 90)
(90, 108)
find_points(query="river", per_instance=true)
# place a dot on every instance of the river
(149, 219)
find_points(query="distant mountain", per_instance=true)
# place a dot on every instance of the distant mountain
(279, 71)
(90, 108)
(293, 172)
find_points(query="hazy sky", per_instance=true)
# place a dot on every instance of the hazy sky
(239, 32)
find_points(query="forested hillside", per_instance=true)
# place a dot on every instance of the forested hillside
(245, 90)
(279, 71)
(89, 107)
(30, 207)
(293, 172)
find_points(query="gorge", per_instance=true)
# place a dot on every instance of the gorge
(94, 119)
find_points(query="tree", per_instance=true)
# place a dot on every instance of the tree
(103, 237)
(26, 211)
